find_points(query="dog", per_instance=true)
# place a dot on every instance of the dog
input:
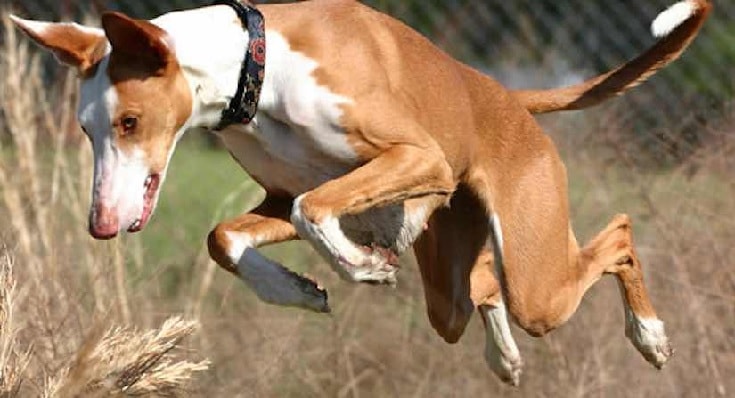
(369, 141)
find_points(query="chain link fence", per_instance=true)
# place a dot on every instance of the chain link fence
(534, 43)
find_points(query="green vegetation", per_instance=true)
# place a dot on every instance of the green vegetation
(204, 186)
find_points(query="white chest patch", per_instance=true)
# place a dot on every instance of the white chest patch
(296, 142)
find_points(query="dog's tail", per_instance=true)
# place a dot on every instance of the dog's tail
(677, 27)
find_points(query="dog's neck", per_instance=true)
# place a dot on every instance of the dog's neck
(210, 44)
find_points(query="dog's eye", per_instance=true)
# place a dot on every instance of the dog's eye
(129, 123)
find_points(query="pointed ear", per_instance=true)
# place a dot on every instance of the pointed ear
(138, 40)
(72, 44)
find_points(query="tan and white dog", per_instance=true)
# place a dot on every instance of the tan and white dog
(369, 140)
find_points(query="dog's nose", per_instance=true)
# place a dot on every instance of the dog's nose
(102, 233)
(103, 223)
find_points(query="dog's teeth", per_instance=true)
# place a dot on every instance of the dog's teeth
(148, 182)
(136, 224)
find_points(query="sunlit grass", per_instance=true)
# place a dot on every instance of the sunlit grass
(72, 294)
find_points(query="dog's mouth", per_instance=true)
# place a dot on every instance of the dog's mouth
(152, 183)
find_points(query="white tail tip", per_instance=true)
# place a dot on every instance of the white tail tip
(674, 16)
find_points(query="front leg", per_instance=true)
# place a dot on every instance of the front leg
(400, 174)
(233, 245)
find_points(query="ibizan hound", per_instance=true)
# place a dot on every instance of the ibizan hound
(368, 140)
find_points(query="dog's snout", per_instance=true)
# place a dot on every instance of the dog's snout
(103, 223)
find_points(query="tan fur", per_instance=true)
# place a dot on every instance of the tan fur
(427, 130)
(266, 223)
(79, 49)
(144, 81)
(143, 70)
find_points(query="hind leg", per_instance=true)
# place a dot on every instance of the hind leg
(612, 252)
(501, 352)
(458, 276)
(543, 273)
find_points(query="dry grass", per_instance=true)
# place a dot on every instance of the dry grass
(59, 304)
(124, 361)
(13, 362)
(62, 299)
(120, 361)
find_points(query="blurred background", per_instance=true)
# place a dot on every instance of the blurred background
(526, 43)
(663, 153)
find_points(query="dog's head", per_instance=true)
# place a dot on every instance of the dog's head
(134, 105)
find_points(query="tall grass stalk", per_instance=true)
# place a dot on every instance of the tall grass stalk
(66, 322)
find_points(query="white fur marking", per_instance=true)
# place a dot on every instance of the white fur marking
(296, 142)
(293, 96)
(501, 351)
(350, 262)
(672, 18)
(331, 242)
(270, 281)
(239, 242)
(210, 58)
(497, 238)
(648, 336)
(119, 176)
(498, 231)
(649, 332)
(414, 221)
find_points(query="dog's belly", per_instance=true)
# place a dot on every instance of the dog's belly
(289, 159)
(394, 227)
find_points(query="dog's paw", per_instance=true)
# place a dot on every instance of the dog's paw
(275, 284)
(314, 296)
(649, 338)
(508, 368)
(378, 265)
(513, 372)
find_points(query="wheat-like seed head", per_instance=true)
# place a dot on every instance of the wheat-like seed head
(127, 361)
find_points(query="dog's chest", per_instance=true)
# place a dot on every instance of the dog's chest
(288, 158)
(296, 142)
